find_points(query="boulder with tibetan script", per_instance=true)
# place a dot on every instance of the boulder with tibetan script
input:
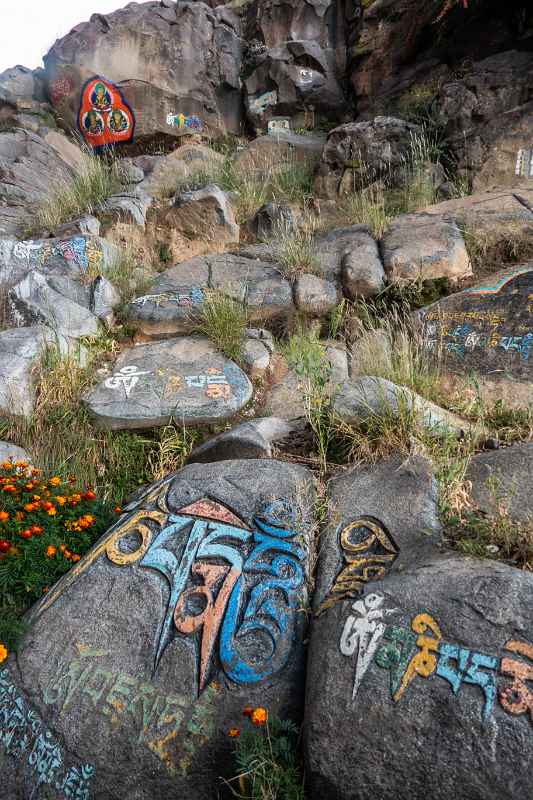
(487, 328)
(433, 689)
(183, 379)
(141, 659)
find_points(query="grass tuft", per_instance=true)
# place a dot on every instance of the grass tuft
(295, 249)
(223, 320)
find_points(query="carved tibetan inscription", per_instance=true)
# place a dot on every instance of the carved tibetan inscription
(487, 328)
(232, 587)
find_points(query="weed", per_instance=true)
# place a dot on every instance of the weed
(127, 275)
(171, 450)
(295, 249)
(268, 763)
(367, 207)
(223, 320)
(95, 179)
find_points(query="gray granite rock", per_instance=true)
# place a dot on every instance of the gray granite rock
(420, 681)
(34, 300)
(266, 292)
(270, 218)
(256, 356)
(17, 390)
(84, 226)
(338, 360)
(104, 299)
(252, 439)
(362, 270)
(357, 401)
(314, 296)
(424, 246)
(138, 662)
(183, 379)
(503, 476)
(11, 452)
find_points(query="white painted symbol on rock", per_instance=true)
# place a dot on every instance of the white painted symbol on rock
(127, 378)
(363, 632)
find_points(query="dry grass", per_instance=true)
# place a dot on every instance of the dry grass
(223, 320)
(95, 179)
(295, 249)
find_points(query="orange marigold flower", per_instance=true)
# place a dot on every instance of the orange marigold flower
(233, 733)
(27, 534)
(30, 507)
(7, 465)
(89, 495)
(9, 488)
(19, 516)
(75, 498)
(117, 510)
(4, 516)
(37, 529)
(62, 547)
(29, 486)
(51, 512)
(36, 497)
(55, 481)
(88, 518)
(75, 557)
(50, 551)
(45, 589)
(259, 716)
(67, 553)
(35, 472)
(3, 653)
(60, 500)
(21, 464)
(47, 505)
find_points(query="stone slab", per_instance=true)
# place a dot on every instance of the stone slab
(183, 379)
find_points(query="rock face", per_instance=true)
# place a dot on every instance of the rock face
(182, 379)
(314, 296)
(430, 668)
(424, 246)
(358, 153)
(486, 328)
(28, 168)
(295, 60)
(140, 660)
(350, 258)
(252, 439)
(170, 69)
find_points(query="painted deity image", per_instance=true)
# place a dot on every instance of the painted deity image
(100, 97)
(118, 121)
(93, 123)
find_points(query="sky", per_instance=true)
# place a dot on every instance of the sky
(28, 28)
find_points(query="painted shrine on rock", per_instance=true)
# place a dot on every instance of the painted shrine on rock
(105, 119)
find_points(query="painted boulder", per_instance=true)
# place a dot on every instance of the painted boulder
(180, 74)
(487, 328)
(431, 654)
(183, 379)
(141, 659)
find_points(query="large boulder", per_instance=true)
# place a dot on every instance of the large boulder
(431, 665)
(204, 214)
(485, 328)
(140, 660)
(425, 247)
(182, 379)
(358, 153)
(29, 168)
(183, 60)
(502, 479)
(350, 258)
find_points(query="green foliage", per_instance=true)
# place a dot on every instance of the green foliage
(223, 320)
(269, 764)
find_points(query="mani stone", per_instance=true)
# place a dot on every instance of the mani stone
(184, 379)
(423, 246)
(140, 660)
(486, 328)
(432, 669)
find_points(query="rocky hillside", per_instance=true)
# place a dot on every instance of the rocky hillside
(266, 284)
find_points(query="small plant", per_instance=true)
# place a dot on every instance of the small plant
(295, 249)
(368, 207)
(171, 451)
(127, 275)
(95, 179)
(268, 762)
(223, 320)
(46, 525)
(306, 356)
